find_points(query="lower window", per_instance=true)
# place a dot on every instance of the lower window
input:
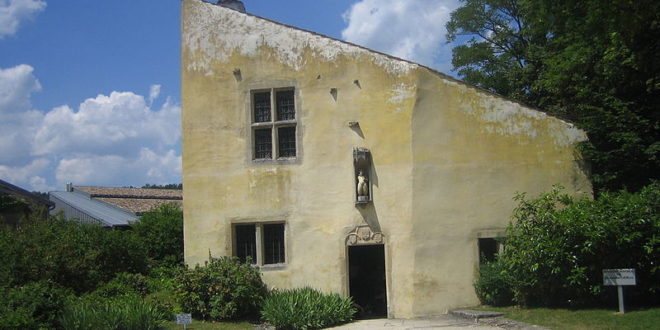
(260, 243)
(489, 248)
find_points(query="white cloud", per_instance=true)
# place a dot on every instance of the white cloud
(412, 29)
(18, 122)
(27, 176)
(148, 167)
(119, 123)
(116, 139)
(38, 183)
(16, 85)
(14, 12)
(154, 92)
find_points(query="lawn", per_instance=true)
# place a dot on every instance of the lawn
(200, 325)
(584, 319)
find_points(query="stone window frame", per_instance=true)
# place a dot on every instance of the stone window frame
(259, 242)
(273, 87)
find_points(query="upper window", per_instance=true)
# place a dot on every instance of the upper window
(274, 127)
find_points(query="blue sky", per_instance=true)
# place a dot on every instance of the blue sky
(90, 90)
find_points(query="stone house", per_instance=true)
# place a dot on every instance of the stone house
(337, 167)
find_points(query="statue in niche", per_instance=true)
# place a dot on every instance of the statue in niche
(362, 163)
(362, 186)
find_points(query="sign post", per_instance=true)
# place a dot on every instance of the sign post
(619, 277)
(184, 319)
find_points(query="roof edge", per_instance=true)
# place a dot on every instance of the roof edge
(10, 188)
(392, 57)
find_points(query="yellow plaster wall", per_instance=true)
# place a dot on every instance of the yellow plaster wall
(315, 196)
(446, 162)
(472, 151)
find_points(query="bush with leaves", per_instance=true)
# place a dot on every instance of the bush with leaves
(223, 289)
(162, 286)
(32, 306)
(493, 287)
(124, 284)
(306, 308)
(75, 255)
(557, 247)
(161, 232)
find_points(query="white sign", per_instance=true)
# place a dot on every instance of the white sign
(619, 276)
(183, 319)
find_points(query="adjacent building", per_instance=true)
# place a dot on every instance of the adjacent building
(109, 206)
(330, 165)
(17, 203)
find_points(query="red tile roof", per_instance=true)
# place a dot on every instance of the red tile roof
(136, 200)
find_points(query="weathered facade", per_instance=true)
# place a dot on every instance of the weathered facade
(278, 123)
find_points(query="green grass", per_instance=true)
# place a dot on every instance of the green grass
(583, 319)
(201, 325)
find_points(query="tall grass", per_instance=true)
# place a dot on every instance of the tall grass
(125, 313)
(306, 308)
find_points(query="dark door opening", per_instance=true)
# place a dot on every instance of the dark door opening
(366, 274)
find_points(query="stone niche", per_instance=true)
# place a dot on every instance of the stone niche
(362, 166)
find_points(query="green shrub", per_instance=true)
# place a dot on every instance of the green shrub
(121, 313)
(137, 282)
(493, 287)
(11, 254)
(75, 255)
(161, 232)
(165, 301)
(124, 284)
(32, 306)
(223, 289)
(306, 308)
(162, 286)
(557, 247)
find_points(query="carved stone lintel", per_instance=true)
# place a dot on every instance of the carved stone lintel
(363, 235)
(377, 238)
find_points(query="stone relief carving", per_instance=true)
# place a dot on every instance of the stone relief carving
(364, 235)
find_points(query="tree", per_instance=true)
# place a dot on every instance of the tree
(593, 62)
(161, 232)
(556, 248)
(174, 186)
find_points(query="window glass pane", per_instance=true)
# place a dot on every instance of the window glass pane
(246, 244)
(274, 244)
(263, 144)
(487, 250)
(286, 108)
(262, 107)
(286, 137)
